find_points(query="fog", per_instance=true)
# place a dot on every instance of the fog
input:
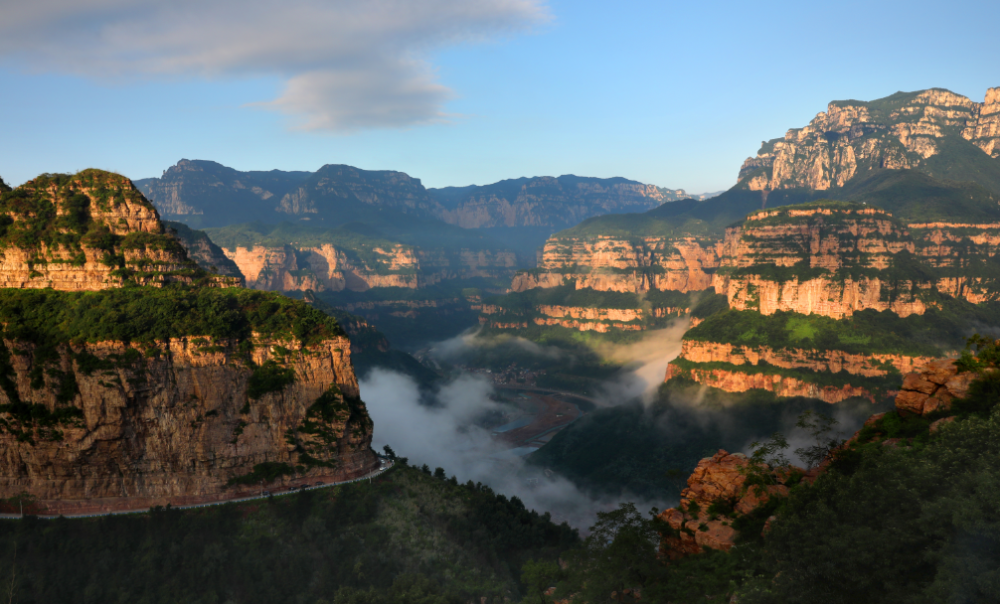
(442, 434)
(439, 428)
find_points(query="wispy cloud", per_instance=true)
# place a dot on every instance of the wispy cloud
(347, 64)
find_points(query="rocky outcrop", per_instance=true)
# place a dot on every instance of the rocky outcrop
(617, 264)
(88, 231)
(546, 201)
(831, 361)
(732, 380)
(579, 318)
(850, 137)
(716, 493)
(834, 259)
(933, 388)
(329, 267)
(176, 418)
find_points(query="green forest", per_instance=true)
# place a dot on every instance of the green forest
(405, 537)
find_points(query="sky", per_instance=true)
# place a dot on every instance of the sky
(459, 92)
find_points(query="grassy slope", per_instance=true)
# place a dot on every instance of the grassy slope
(406, 537)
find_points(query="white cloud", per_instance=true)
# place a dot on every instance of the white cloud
(347, 64)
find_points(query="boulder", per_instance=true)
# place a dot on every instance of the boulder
(917, 382)
(911, 401)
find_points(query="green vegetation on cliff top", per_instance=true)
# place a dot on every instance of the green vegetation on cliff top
(148, 314)
(936, 332)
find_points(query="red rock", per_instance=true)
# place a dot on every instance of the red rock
(768, 525)
(911, 402)
(719, 536)
(940, 371)
(941, 400)
(757, 496)
(716, 477)
(916, 381)
(958, 386)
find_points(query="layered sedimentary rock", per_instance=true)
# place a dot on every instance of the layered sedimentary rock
(781, 385)
(851, 137)
(831, 361)
(623, 265)
(175, 418)
(328, 267)
(579, 318)
(716, 494)
(87, 231)
(835, 259)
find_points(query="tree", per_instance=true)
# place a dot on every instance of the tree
(820, 426)
(538, 576)
(389, 452)
(619, 554)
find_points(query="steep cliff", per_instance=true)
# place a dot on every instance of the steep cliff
(205, 193)
(172, 395)
(296, 258)
(87, 231)
(546, 201)
(621, 264)
(837, 258)
(903, 131)
(200, 248)
(584, 309)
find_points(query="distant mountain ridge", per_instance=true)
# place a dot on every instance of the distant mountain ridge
(546, 201)
(203, 194)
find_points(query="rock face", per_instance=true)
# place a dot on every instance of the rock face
(176, 419)
(781, 385)
(200, 248)
(331, 268)
(205, 193)
(851, 137)
(579, 318)
(745, 368)
(88, 419)
(547, 201)
(835, 259)
(718, 481)
(933, 388)
(622, 265)
(88, 231)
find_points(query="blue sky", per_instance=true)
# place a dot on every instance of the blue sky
(666, 93)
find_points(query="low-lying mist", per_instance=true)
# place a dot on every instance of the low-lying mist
(443, 434)
(622, 451)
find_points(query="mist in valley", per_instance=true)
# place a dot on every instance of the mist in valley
(443, 427)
